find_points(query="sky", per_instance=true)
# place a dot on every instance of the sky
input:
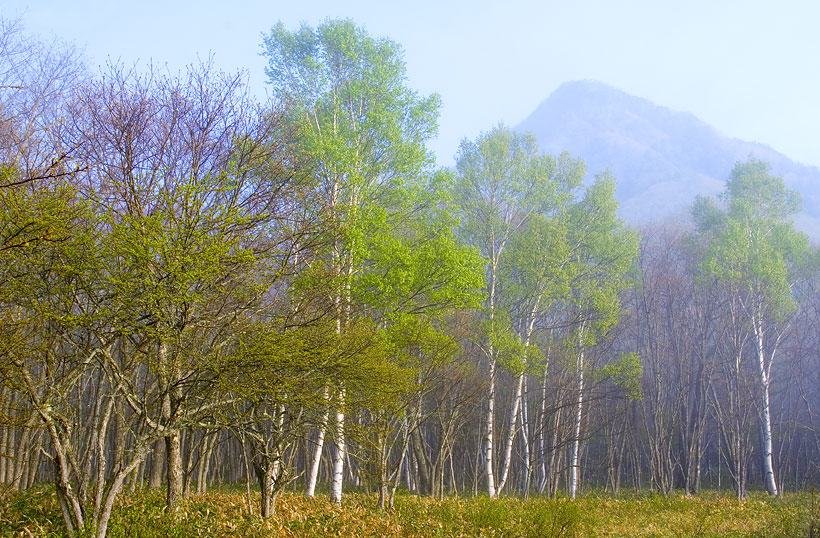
(747, 67)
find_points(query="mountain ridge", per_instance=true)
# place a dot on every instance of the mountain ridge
(661, 158)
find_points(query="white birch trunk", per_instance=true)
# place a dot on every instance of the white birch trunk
(516, 405)
(508, 443)
(576, 440)
(488, 440)
(542, 433)
(339, 457)
(525, 438)
(765, 413)
(313, 471)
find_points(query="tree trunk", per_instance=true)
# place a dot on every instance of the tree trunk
(265, 474)
(508, 444)
(525, 439)
(205, 463)
(174, 471)
(576, 439)
(488, 439)
(424, 483)
(339, 456)
(313, 471)
(765, 413)
(104, 515)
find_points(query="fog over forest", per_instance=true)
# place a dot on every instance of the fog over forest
(198, 289)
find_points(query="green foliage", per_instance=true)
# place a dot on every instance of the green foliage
(507, 345)
(189, 252)
(513, 203)
(35, 213)
(503, 181)
(625, 373)
(346, 90)
(752, 245)
(602, 259)
(385, 252)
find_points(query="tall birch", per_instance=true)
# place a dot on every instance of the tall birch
(755, 251)
(361, 133)
(602, 255)
(504, 183)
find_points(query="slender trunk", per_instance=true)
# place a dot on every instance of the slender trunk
(525, 439)
(508, 444)
(339, 456)
(21, 459)
(576, 439)
(73, 514)
(425, 481)
(488, 439)
(101, 457)
(557, 452)
(205, 463)
(174, 468)
(36, 458)
(542, 435)
(402, 463)
(115, 487)
(173, 455)
(765, 413)
(313, 471)
(382, 456)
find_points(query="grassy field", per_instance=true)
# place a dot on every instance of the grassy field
(225, 513)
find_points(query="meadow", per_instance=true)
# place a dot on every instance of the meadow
(225, 513)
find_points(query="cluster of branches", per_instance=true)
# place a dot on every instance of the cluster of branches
(198, 289)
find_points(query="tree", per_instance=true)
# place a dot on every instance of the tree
(360, 132)
(507, 196)
(37, 81)
(674, 322)
(169, 252)
(754, 250)
(603, 254)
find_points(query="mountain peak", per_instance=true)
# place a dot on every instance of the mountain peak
(661, 158)
(585, 86)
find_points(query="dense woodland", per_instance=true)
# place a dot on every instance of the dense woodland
(199, 289)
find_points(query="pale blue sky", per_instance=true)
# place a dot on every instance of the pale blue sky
(750, 68)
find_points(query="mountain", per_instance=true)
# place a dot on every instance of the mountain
(660, 158)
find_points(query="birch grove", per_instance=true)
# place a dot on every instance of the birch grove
(200, 290)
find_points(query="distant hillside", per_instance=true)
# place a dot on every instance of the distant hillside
(660, 158)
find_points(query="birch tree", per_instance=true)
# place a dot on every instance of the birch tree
(754, 250)
(504, 184)
(361, 132)
(603, 255)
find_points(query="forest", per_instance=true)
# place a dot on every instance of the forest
(198, 289)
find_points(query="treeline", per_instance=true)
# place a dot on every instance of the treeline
(199, 289)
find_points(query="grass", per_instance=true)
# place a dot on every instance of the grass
(225, 514)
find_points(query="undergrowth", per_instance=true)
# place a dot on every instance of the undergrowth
(225, 513)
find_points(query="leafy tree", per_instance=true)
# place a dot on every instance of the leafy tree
(601, 260)
(507, 196)
(361, 133)
(754, 250)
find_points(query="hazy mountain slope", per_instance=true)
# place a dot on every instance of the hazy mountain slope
(660, 158)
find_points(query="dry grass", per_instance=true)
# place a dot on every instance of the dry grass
(226, 514)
